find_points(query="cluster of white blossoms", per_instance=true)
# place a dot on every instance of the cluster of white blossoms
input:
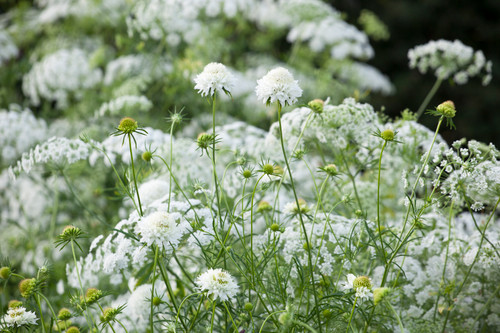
(278, 85)
(450, 60)
(20, 131)
(8, 49)
(56, 150)
(60, 75)
(215, 78)
(18, 317)
(53, 10)
(124, 105)
(218, 284)
(162, 229)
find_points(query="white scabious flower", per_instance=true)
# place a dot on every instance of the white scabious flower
(215, 78)
(161, 229)
(450, 59)
(279, 86)
(217, 283)
(361, 284)
(18, 317)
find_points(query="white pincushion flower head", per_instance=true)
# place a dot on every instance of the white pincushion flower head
(215, 78)
(217, 283)
(279, 86)
(161, 229)
(361, 284)
(18, 316)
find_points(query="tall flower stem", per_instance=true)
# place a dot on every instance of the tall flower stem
(213, 317)
(352, 315)
(86, 312)
(133, 173)
(151, 319)
(378, 201)
(309, 256)
(51, 310)
(216, 181)
(429, 96)
(42, 322)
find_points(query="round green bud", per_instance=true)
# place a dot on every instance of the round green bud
(15, 304)
(316, 105)
(248, 306)
(268, 169)
(70, 232)
(5, 272)
(362, 281)
(447, 109)
(247, 173)
(331, 169)
(73, 329)
(387, 134)
(128, 125)
(264, 206)
(204, 140)
(156, 301)
(27, 287)
(327, 313)
(275, 227)
(241, 160)
(64, 314)
(379, 294)
(147, 156)
(306, 246)
(92, 295)
(109, 314)
(285, 318)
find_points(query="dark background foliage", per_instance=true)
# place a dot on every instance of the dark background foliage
(411, 23)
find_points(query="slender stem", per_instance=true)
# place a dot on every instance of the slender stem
(216, 182)
(282, 141)
(352, 314)
(298, 322)
(81, 285)
(170, 291)
(231, 317)
(378, 202)
(395, 314)
(429, 96)
(212, 320)
(171, 159)
(42, 322)
(51, 310)
(133, 173)
(151, 320)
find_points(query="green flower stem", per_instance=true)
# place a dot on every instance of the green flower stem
(473, 262)
(170, 291)
(269, 317)
(251, 229)
(378, 202)
(133, 173)
(86, 312)
(282, 141)
(196, 313)
(231, 317)
(102, 310)
(429, 96)
(151, 319)
(396, 315)
(182, 303)
(352, 315)
(299, 323)
(213, 317)
(51, 310)
(216, 180)
(445, 258)
(119, 322)
(42, 322)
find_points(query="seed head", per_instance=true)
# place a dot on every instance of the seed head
(27, 287)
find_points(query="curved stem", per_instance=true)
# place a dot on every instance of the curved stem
(133, 173)
(429, 96)
(352, 314)
(51, 310)
(378, 201)
(81, 285)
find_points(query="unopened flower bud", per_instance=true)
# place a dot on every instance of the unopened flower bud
(316, 105)
(147, 156)
(264, 206)
(204, 140)
(27, 287)
(5, 272)
(275, 227)
(268, 169)
(15, 304)
(387, 134)
(127, 125)
(248, 306)
(73, 329)
(447, 109)
(64, 314)
(379, 294)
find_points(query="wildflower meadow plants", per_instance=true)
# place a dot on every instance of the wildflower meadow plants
(118, 216)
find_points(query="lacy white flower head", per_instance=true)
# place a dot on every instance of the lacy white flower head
(449, 59)
(361, 284)
(215, 78)
(279, 86)
(161, 229)
(18, 316)
(217, 283)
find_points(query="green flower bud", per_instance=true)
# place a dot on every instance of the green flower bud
(64, 314)
(156, 301)
(248, 306)
(268, 169)
(128, 125)
(204, 140)
(379, 294)
(5, 272)
(92, 295)
(387, 134)
(275, 227)
(73, 329)
(330, 169)
(27, 287)
(147, 156)
(316, 105)
(264, 206)
(110, 314)
(247, 173)
(447, 109)
(15, 304)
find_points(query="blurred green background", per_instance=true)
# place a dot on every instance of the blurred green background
(475, 23)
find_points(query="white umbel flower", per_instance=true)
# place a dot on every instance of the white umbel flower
(215, 78)
(18, 317)
(161, 229)
(278, 85)
(218, 283)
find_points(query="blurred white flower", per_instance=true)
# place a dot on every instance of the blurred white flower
(18, 317)
(215, 78)
(218, 283)
(278, 85)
